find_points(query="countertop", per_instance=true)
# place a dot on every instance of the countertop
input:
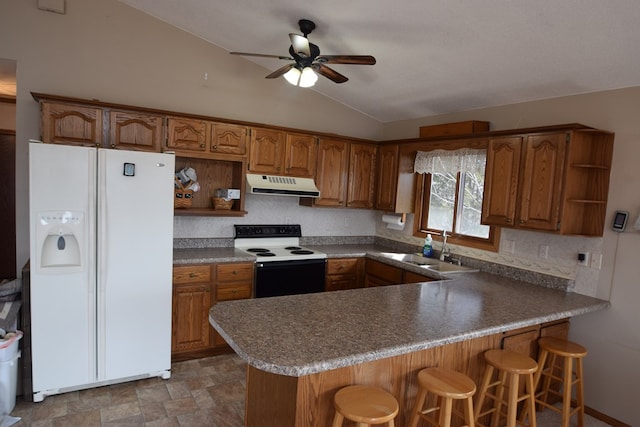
(306, 334)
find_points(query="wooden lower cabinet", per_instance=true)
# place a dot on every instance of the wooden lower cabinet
(191, 332)
(233, 281)
(344, 273)
(195, 289)
(380, 274)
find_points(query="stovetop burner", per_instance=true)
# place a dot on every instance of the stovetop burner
(273, 242)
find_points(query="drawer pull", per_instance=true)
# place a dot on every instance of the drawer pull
(192, 275)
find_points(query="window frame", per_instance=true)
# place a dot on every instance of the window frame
(422, 195)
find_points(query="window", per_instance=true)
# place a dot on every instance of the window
(450, 189)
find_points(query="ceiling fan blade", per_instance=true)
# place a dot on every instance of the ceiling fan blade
(280, 71)
(330, 73)
(347, 59)
(300, 45)
(262, 55)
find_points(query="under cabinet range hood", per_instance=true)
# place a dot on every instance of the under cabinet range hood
(282, 185)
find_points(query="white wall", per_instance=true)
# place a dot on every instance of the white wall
(613, 336)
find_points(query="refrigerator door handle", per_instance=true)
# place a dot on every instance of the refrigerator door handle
(102, 263)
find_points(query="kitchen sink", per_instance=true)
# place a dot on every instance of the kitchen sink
(429, 263)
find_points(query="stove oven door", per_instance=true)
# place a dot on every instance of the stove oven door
(276, 278)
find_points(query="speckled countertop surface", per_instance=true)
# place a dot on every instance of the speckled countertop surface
(305, 334)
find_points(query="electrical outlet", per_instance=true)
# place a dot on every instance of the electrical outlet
(543, 251)
(583, 258)
(509, 246)
(596, 261)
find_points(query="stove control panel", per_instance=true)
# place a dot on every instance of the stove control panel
(253, 231)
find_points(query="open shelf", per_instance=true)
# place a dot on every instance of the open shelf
(213, 174)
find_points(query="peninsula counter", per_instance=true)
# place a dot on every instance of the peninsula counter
(301, 349)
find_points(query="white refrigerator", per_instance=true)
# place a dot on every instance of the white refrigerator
(101, 247)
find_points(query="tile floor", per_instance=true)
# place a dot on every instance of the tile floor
(203, 392)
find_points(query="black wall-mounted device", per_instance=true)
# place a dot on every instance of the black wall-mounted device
(620, 221)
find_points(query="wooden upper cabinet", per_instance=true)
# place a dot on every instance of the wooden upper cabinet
(387, 177)
(332, 173)
(501, 181)
(362, 173)
(229, 139)
(71, 124)
(301, 153)
(187, 136)
(135, 131)
(555, 182)
(267, 151)
(275, 152)
(543, 167)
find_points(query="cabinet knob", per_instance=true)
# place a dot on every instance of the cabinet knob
(234, 291)
(521, 221)
(201, 145)
(509, 220)
(113, 145)
(278, 168)
(192, 275)
(234, 272)
(215, 147)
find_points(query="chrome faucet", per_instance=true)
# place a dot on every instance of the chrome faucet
(444, 253)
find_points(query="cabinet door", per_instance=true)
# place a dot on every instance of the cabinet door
(71, 124)
(381, 274)
(301, 153)
(501, 181)
(190, 313)
(188, 136)
(387, 177)
(344, 273)
(542, 182)
(267, 151)
(229, 139)
(523, 341)
(362, 171)
(331, 177)
(135, 131)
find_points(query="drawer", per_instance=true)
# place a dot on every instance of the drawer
(342, 266)
(229, 291)
(238, 272)
(192, 274)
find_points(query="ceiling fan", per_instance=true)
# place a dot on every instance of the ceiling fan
(308, 60)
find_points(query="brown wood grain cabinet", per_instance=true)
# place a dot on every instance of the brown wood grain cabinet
(549, 181)
(331, 174)
(344, 273)
(233, 281)
(380, 274)
(71, 124)
(229, 139)
(191, 332)
(135, 131)
(277, 152)
(362, 176)
(387, 177)
(196, 287)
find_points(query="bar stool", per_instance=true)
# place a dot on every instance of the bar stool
(569, 378)
(447, 385)
(510, 366)
(365, 405)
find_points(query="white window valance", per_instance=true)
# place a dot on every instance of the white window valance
(449, 161)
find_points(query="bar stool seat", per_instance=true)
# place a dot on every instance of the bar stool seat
(568, 378)
(365, 405)
(448, 386)
(510, 366)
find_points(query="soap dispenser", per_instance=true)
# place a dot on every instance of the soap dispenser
(427, 249)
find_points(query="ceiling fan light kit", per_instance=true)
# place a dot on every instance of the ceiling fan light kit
(305, 78)
(308, 62)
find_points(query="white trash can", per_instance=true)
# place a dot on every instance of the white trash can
(9, 356)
